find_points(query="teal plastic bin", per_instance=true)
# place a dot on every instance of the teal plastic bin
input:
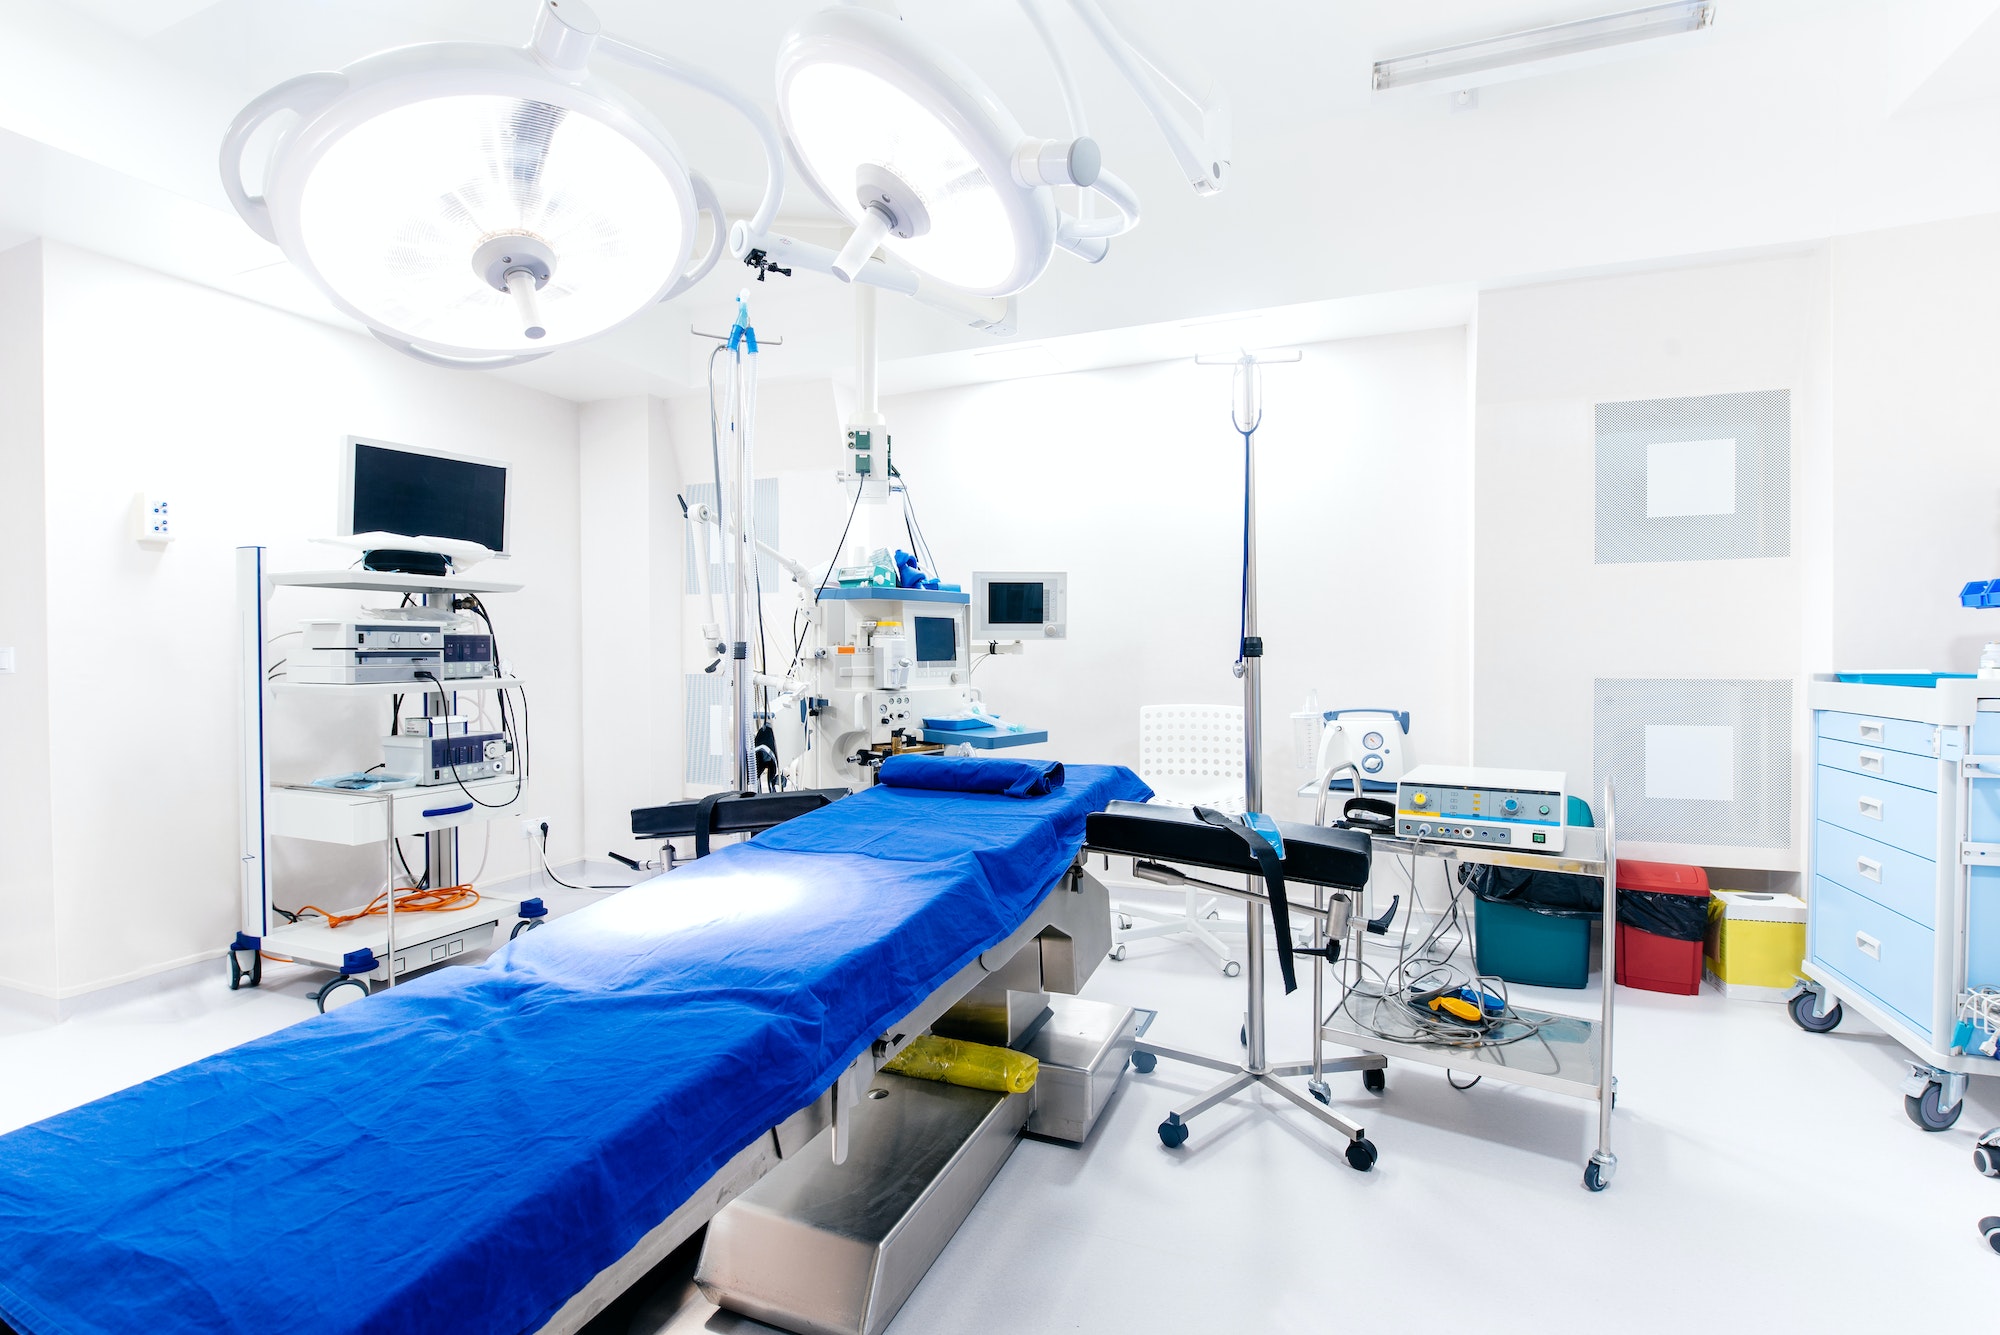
(1530, 948)
(1523, 946)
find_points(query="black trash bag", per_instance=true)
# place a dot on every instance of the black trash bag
(1558, 894)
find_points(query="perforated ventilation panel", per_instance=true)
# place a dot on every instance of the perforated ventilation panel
(1193, 754)
(1694, 479)
(765, 498)
(1696, 761)
(708, 739)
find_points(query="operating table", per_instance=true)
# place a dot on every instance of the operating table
(506, 1147)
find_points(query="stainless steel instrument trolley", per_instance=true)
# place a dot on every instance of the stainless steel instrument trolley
(1565, 1054)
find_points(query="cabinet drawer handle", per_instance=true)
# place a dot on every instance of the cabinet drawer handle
(447, 811)
(1870, 761)
(1868, 945)
(1871, 732)
(1870, 868)
(1871, 807)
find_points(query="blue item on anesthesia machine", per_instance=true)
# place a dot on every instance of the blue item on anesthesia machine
(469, 1150)
(909, 575)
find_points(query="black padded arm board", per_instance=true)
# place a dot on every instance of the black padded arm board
(1313, 856)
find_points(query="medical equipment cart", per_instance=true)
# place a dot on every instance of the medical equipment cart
(1566, 1054)
(1903, 912)
(381, 948)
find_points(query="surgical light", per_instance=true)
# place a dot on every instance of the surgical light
(932, 170)
(1458, 63)
(478, 204)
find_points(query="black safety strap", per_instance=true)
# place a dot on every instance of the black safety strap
(1274, 886)
(704, 819)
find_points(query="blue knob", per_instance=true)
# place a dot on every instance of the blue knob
(1512, 805)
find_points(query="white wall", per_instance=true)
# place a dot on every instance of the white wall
(1131, 480)
(234, 412)
(27, 865)
(1548, 619)
(1916, 416)
(631, 530)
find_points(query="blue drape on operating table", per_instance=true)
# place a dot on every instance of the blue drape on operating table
(467, 1151)
(973, 774)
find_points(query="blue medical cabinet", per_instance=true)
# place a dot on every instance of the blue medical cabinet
(1903, 910)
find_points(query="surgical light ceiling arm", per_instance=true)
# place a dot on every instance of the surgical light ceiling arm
(1202, 151)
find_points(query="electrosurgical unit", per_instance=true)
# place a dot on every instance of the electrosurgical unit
(1500, 808)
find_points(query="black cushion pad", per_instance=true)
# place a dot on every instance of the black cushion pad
(1313, 856)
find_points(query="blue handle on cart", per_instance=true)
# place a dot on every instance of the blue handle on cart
(449, 811)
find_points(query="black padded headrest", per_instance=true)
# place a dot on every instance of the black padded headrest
(1313, 856)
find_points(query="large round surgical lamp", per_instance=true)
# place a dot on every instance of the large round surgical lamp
(909, 146)
(482, 205)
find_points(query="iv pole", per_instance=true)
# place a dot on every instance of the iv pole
(1247, 412)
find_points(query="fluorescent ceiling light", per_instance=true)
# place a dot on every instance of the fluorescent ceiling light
(1456, 63)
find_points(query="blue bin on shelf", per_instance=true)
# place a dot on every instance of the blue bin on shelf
(1530, 948)
(1534, 949)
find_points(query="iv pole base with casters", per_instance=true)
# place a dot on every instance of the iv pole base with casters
(1253, 1071)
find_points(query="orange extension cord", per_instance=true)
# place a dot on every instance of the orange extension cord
(410, 901)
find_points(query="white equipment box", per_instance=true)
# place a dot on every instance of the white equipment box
(1502, 808)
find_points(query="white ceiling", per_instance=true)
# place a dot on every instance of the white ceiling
(1791, 120)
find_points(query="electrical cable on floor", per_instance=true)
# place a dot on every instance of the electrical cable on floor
(565, 884)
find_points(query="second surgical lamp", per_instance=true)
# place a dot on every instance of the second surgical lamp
(480, 205)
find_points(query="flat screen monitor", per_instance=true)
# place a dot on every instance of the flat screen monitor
(1020, 605)
(937, 639)
(419, 493)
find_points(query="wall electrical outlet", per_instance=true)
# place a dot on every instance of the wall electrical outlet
(531, 830)
(155, 527)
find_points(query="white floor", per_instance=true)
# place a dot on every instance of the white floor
(1768, 1181)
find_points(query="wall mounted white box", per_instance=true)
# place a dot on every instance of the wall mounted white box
(151, 517)
(1690, 477)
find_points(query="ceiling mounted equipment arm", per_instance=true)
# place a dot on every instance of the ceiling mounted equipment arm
(1201, 150)
(767, 135)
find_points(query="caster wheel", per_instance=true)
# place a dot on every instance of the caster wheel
(1118, 951)
(1989, 1229)
(239, 976)
(1215, 915)
(525, 925)
(1801, 1007)
(1144, 1062)
(1361, 1155)
(1927, 1109)
(1374, 1081)
(1230, 968)
(1243, 1035)
(1124, 923)
(340, 992)
(1173, 1132)
(1986, 1158)
(1594, 1178)
(1319, 1090)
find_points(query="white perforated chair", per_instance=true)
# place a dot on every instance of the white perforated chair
(1189, 755)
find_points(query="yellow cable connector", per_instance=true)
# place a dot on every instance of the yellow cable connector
(973, 1065)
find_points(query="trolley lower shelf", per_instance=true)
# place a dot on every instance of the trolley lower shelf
(1557, 1053)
